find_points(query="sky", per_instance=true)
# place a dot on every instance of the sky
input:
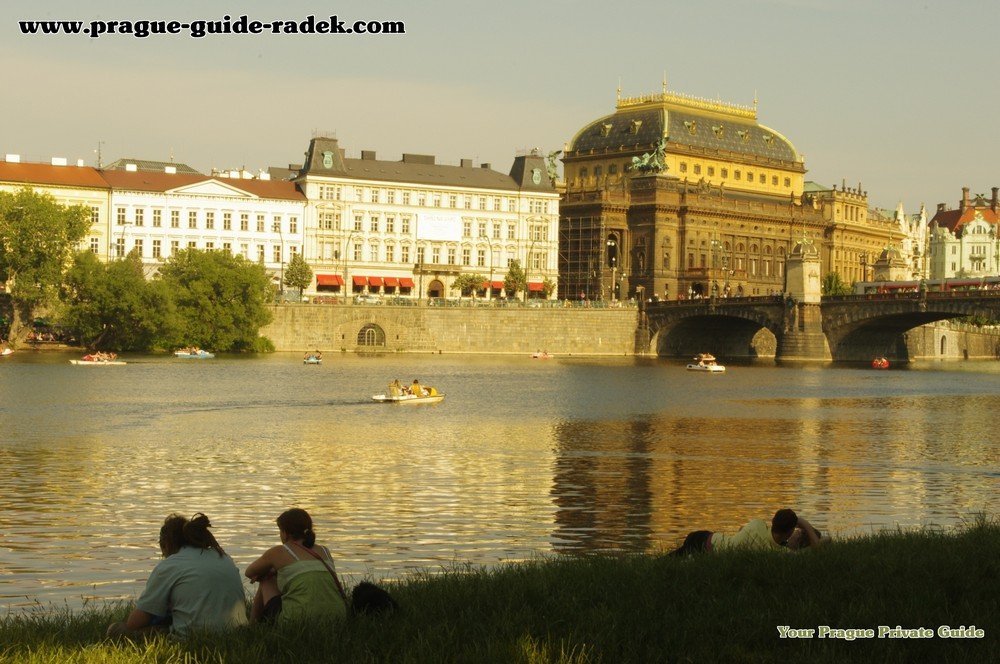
(897, 96)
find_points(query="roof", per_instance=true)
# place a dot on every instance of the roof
(684, 121)
(46, 174)
(149, 165)
(954, 220)
(163, 182)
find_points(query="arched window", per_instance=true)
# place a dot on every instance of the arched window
(371, 335)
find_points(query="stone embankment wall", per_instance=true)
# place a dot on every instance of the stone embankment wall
(301, 327)
(952, 341)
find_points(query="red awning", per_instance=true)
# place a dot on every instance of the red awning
(497, 285)
(536, 286)
(391, 282)
(360, 281)
(375, 281)
(405, 282)
(329, 280)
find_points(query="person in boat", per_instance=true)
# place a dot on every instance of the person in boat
(395, 388)
(754, 535)
(416, 389)
(195, 586)
(296, 579)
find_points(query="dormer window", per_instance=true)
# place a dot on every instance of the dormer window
(768, 138)
(744, 135)
(691, 126)
(634, 127)
(718, 130)
(605, 129)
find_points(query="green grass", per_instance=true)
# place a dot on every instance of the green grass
(648, 608)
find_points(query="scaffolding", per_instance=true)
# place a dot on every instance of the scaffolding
(581, 258)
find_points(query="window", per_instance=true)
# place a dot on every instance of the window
(138, 248)
(437, 200)
(736, 175)
(481, 257)
(466, 256)
(210, 220)
(404, 224)
(244, 221)
(711, 171)
(390, 196)
(684, 167)
(483, 203)
(175, 246)
(774, 180)
(468, 202)
(260, 253)
(277, 223)
(373, 223)
(788, 182)
(725, 172)
(156, 248)
(451, 255)
(452, 200)
(466, 229)
(511, 230)
(697, 169)
(192, 245)
(421, 198)
(496, 230)
(95, 214)
(227, 221)
(406, 198)
(193, 219)
(157, 218)
(482, 229)
(95, 244)
(276, 250)
(435, 255)
(356, 251)
(175, 218)
(612, 169)
(404, 254)
(227, 247)
(260, 226)
(140, 217)
(497, 204)
(359, 220)
(749, 176)
(120, 216)
(690, 261)
(390, 223)
(328, 221)
(390, 253)
(511, 205)
(120, 247)
(761, 178)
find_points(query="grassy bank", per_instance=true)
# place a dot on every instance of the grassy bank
(715, 608)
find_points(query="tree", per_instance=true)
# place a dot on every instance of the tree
(833, 285)
(516, 280)
(113, 307)
(37, 238)
(222, 300)
(548, 288)
(298, 274)
(464, 283)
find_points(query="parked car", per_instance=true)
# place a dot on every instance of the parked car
(367, 298)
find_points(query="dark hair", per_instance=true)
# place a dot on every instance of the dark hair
(784, 521)
(298, 524)
(178, 531)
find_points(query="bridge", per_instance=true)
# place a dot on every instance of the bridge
(839, 328)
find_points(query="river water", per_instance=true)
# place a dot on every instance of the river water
(524, 457)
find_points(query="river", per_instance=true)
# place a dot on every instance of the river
(524, 457)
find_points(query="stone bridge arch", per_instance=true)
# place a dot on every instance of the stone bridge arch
(743, 327)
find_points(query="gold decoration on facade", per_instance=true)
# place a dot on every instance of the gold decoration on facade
(688, 101)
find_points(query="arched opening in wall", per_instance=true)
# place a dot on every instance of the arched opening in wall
(944, 345)
(435, 289)
(371, 335)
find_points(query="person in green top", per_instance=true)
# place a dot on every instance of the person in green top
(195, 586)
(785, 525)
(296, 579)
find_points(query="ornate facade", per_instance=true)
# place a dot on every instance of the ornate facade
(965, 242)
(672, 196)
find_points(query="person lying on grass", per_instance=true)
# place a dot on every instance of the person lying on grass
(787, 531)
(195, 586)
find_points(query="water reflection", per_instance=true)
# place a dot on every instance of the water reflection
(522, 458)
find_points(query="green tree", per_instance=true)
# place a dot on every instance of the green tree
(113, 307)
(298, 274)
(466, 283)
(516, 280)
(548, 288)
(833, 285)
(222, 300)
(37, 238)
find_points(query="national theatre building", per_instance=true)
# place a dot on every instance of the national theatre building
(673, 196)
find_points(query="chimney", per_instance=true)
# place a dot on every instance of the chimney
(13, 159)
(965, 199)
(993, 203)
(79, 163)
(172, 170)
(940, 207)
(59, 161)
(466, 163)
(264, 175)
(368, 155)
(132, 168)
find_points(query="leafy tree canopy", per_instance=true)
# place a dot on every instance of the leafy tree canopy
(298, 274)
(834, 285)
(466, 283)
(222, 300)
(37, 238)
(516, 280)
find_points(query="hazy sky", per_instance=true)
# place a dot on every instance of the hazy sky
(897, 95)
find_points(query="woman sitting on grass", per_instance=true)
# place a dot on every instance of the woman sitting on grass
(296, 579)
(195, 586)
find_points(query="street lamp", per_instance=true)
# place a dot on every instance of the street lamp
(527, 265)
(864, 266)
(347, 242)
(613, 260)
(281, 267)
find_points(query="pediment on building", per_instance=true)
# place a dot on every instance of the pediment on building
(212, 188)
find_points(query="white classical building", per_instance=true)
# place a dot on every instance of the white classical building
(965, 242)
(158, 213)
(411, 227)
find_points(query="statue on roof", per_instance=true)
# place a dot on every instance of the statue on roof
(551, 166)
(651, 162)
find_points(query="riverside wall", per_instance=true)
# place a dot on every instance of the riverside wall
(569, 331)
(953, 341)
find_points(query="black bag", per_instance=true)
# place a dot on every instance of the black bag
(369, 599)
